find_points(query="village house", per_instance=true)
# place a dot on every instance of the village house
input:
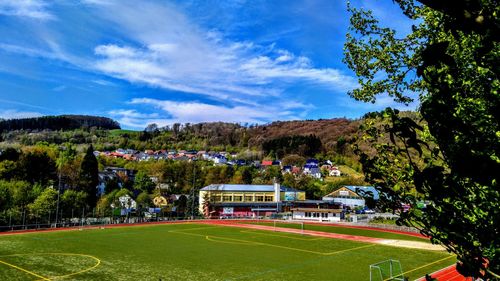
(312, 169)
(351, 196)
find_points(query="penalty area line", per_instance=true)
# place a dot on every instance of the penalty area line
(255, 243)
(260, 232)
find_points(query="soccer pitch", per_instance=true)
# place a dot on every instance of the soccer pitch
(192, 251)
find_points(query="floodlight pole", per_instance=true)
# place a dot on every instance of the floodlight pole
(58, 196)
(193, 193)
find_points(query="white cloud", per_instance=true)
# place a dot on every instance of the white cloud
(103, 82)
(15, 114)
(173, 53)
(133, 114)
(36, 9)
(197, 112)
(52, 51)
(59, 88)
(134, 119)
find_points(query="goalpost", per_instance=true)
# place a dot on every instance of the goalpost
(386, 270)
(301, 223)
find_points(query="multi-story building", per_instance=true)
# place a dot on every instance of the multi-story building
(242, 200)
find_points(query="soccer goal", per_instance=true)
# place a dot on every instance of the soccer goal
(386, 270)
(299, 224)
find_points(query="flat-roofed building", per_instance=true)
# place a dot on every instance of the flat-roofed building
(245, 200)
(317, 210)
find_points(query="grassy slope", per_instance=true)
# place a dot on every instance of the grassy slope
(119, 132)
(202, 253)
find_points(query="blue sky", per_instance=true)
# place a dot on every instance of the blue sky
(142, 62)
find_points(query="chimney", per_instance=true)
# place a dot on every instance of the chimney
(277, 191)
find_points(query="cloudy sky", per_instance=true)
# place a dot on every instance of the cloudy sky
(142, 62)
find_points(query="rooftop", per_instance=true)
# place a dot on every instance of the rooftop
(360, 189)
(246, 187)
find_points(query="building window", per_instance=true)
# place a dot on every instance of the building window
(217, 198)
(227, 198)
(259, 198)
(269, 198)
(238, 198)
(248, 198)
(308, 215)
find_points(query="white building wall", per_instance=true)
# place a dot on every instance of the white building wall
(350, 202)
(302, 216)
(346, 201)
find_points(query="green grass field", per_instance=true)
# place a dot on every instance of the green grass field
(343, 230)
(198, 252)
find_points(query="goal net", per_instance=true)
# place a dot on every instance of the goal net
(386, 270)
(289, 224)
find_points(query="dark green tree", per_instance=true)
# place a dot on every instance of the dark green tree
(9, 154)
(143, 182)
(111, 185)
(44, 204)
(247, 175)
(37, 167)
(450, 158)
(73, 200)
(89, 178)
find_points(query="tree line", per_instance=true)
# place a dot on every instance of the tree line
(31, 178)
(63, 122)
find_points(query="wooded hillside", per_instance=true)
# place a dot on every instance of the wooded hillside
(62, 122)
(327, 130)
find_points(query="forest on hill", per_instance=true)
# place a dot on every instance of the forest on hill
(62, 122)
(306, 138)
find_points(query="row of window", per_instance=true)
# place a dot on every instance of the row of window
(239, 198)
(317, 215)
(349, 197)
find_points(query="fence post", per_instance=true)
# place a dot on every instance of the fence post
(24, 218)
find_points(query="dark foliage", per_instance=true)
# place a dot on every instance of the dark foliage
(63, 122)
(302, 145)
(89, 176)
(36, 167)
(452, 59)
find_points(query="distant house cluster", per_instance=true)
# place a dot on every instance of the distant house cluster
(171, 154)
(311, 168)
(314, 169)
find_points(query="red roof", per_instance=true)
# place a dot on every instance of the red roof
(267, 163)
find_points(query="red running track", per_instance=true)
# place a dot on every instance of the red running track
(449, 273)
(345, 226)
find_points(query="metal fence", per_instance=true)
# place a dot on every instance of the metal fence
(24, 220)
